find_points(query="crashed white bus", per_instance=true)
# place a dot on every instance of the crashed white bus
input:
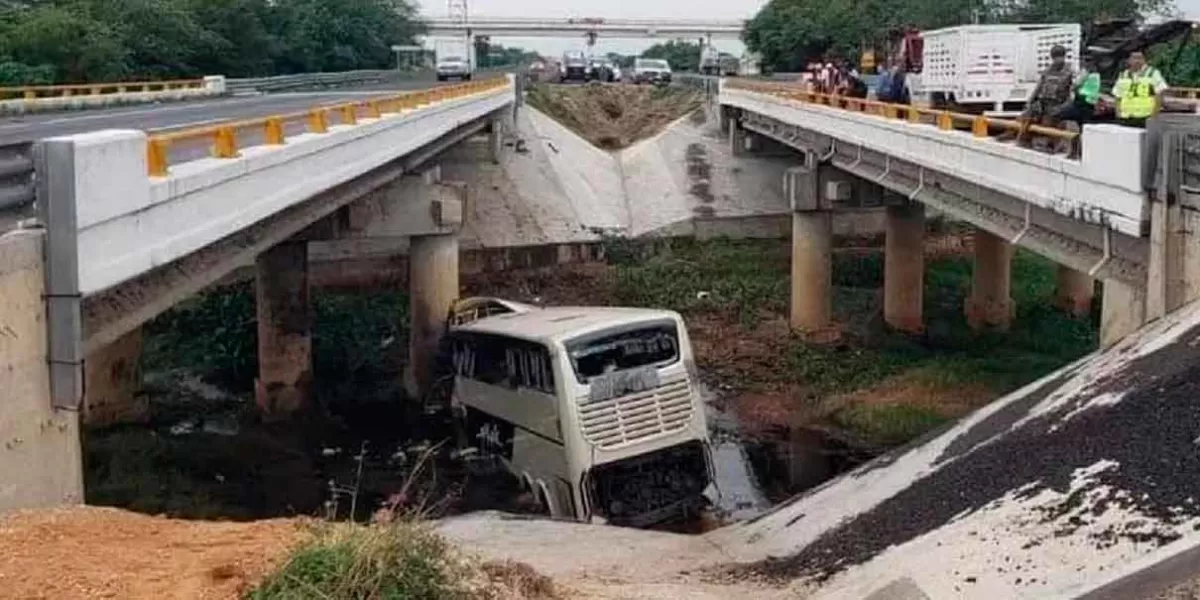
(595, 410)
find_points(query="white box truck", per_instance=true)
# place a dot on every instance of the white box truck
(990, 69)
(454, 59)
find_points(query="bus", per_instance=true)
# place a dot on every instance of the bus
(595, 410)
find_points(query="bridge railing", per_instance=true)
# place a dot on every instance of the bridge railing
(980, 126)
(224, 138)
(33, 92)
(300, 81)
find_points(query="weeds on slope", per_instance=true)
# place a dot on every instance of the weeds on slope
(746, 283)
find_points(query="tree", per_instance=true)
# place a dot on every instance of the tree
(788, 34)
(682, 55)
(75, 47)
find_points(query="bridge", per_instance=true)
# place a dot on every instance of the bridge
(1091, 215)
(585, 27)
(131, 223)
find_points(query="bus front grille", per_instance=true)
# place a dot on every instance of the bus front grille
(617, 422)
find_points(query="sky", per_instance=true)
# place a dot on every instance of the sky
(614, 9)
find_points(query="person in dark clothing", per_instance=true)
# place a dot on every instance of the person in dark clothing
(1054, 89)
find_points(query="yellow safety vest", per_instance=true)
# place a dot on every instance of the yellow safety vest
(1139, 99)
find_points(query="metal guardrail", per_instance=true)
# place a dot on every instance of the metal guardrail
(224, 136)
(33, 92)
(16, 178)
(283, 83)
(980, 126)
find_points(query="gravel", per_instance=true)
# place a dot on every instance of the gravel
(1146, 445)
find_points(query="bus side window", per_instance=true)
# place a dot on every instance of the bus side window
(490, 361)
(529, 367)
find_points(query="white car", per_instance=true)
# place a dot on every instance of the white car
(651, 70)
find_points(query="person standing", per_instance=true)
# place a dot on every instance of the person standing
(883, 85)
(1053, 90)
(1081, 108)
(1138, 92)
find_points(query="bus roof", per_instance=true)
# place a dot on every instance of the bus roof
(561, 323)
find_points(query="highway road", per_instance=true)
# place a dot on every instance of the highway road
(153, 117)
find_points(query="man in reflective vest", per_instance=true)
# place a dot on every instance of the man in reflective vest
(1138, 92)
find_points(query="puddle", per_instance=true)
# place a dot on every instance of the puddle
(738, 496)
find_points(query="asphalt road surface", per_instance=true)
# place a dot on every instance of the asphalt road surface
(153, 117)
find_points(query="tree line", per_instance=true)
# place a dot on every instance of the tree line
(79, 41)
(790, 33)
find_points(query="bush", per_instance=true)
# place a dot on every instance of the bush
(400, 560)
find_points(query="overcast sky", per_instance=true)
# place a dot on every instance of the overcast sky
(613, 9)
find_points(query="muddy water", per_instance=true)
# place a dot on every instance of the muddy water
(738, 495)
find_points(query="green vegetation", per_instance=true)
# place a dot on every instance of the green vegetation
(889, 424)
(747, 281)
(70, 41)
(682, 55)
(395, 561)
(790, 33)
(357, 338)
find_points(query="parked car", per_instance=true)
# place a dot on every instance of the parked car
(601, 69)
(573, 67)
(651, 70)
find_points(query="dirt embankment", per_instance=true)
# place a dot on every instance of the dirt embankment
(614, 116)
(89, 552)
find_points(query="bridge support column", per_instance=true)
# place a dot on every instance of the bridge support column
(1074, 291)
(904, 267)
(284, 331)
(432, 288)
(495, 139)
(1122, 312)
(737, 137)
(40, 459)
(113, 382)
(812, 273)
(990, 304)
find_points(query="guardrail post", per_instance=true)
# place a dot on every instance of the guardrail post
(157, 161)
(317, 122)
(945, 121)
(274, 131)
(349, 114)
(979, 127)
(225, 143)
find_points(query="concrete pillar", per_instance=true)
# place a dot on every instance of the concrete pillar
(495, 140)
(1074, 292)
(1122, 312)
(40, 459)
(284, 331)
(432, 288)
(812, 274)
(112, 389)
(904, 267)
(737, 137)
(990, 304)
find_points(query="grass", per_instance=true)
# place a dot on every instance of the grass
(359, 339)
(399, 560)
(747, 281)
(393, 561)
(888, 425)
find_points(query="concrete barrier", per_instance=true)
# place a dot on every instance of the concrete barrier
(40, 458)
(212, 86)
(1104, 187)
(129, 223)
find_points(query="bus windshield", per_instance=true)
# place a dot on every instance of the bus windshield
(598, 356)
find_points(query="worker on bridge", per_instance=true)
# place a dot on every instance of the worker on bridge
(1054, 90)
(1138, 91)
